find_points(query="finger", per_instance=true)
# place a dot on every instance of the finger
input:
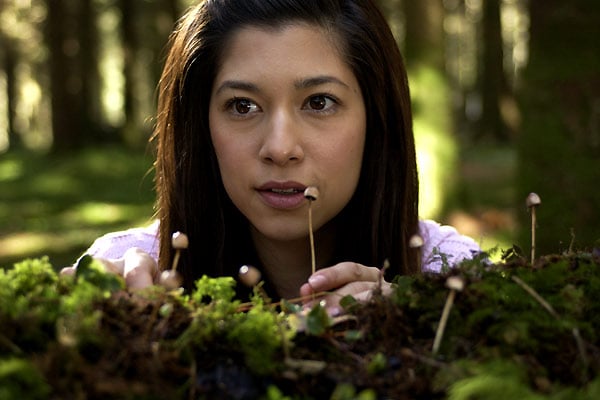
(360, 291)
(139, 269)
(68, 270)
(113, 266)
(341, 274)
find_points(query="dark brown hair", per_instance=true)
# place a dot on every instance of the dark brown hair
(382, 215)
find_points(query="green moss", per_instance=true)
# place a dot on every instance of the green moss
(20, 379)
(83, 336)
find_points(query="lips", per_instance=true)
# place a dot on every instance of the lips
(282, 195)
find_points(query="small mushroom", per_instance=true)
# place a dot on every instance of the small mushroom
(179, 241)
(311, 193)
(416, 241)
(455, 284)
(249, 275)
(532, 202)
(171, 279)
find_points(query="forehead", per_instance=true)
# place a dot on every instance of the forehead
(285, 46)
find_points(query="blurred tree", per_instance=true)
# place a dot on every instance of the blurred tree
(492, 77)
(90, 78)
(65, 84)
(559, 146)
(436, 144)
(152, 21)
(130, 46)
(72, 44)
(9, 57)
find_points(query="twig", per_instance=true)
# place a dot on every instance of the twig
(248, 305)
(548, 307)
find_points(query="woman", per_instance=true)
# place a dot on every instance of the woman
(259, 100)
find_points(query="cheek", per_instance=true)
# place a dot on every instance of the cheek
(343, 165)
(225, 153)
(348, 154)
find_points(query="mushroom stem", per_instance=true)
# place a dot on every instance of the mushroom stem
(454, 283)
(176, 260)
(312, 239)
(439, 333)
(171, 279)
(311, 194)
(533, 223)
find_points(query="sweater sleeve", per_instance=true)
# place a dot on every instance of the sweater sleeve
(443, 245)
(114, 245)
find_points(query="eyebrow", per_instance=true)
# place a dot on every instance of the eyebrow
(318, 80)
(240, 85)
(299, 84)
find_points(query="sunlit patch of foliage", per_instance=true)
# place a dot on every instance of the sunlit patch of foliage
(516, 330)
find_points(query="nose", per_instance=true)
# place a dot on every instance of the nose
(282, 141)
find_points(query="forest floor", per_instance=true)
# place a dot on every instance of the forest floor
(57, 206)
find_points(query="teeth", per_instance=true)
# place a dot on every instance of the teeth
(284, 191)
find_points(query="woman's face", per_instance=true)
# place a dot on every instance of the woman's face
(286, 112)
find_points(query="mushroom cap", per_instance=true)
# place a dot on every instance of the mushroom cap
(416, 241)
(249, 275)
(533, 200)
(179, 240)
(311, 193)
(170, 279)
(455, 283)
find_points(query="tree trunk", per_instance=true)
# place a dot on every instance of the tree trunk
(65, 78)
(424, 53)
(559, 147)
(493, 84)
(9, 65)
(130, 47)
(90, 77)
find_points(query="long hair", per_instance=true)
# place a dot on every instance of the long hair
(382, 214)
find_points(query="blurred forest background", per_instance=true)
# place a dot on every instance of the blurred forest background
(506, 101)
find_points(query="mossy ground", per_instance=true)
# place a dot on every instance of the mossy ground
(515, 331)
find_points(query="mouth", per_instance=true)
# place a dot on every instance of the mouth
(284, 188)
(289, 191)
(282, 195)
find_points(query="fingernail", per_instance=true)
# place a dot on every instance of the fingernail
(317, 281)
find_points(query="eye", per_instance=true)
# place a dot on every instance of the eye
(321, 103)
(241, 106)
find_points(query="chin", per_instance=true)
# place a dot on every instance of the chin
(282, 235)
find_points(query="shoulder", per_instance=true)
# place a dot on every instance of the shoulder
(443, 245)
(114, 245)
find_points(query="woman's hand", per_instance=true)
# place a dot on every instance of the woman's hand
(136, 266)
(346, 278)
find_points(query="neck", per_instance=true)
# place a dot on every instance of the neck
(288, 264)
